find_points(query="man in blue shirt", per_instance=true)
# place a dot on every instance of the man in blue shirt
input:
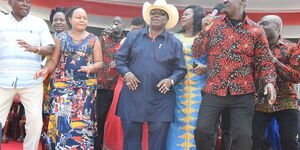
(151, 61)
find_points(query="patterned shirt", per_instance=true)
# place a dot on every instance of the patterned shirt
(288, 70)
(233, 53)
(108, 77)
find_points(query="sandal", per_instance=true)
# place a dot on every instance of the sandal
(4, 139)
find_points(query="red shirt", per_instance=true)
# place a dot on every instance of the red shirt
(107, 77)
(233, 53)
(288, 70)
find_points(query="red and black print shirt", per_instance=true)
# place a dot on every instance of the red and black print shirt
(233, 53)
(107, 77)
(288, 70)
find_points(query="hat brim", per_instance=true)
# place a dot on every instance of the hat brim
(171, 10)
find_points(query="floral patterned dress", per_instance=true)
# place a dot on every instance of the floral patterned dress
(71, 123)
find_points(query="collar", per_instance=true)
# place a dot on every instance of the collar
(281, 41)
(146, 31)
(13, 17)
(245, 20)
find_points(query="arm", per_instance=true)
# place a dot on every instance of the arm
(47, 43)
(122, 56)
(98, 60)
(51, 63)
(290, 72)
(265, 66)
(198, 47)
(179, 66)
(122, 59)
(45, 50)
(178, 73)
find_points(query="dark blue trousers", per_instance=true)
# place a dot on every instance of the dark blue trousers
(157, 135)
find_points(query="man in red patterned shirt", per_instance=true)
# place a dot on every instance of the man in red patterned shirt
(108, 76)
(285, 108)
(235, 46)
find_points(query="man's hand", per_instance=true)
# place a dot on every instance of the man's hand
(131, 81)
(206, 22)
(28, 47)
(270, 90)
(164, 85)
(200, 69)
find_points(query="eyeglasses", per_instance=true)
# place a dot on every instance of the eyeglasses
(160, 12)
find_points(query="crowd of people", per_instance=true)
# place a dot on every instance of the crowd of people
(150, 89)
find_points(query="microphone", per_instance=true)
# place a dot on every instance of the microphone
(112, 28)
(217, 9)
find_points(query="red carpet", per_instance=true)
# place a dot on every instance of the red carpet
(13, 145)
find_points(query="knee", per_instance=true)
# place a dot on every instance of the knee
(242, 133)
(36, 122)
(204, 130)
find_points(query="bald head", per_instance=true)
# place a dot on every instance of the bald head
(272, 25)
(273, 19)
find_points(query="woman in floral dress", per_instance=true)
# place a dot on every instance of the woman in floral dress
(77, 57)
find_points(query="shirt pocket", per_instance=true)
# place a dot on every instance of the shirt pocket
(164, 54)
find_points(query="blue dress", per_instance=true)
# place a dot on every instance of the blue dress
(71, 121)
(188, 100)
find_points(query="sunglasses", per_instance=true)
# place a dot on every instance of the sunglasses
(160, 12)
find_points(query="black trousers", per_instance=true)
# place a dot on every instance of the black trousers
(133, 131)
(103, 101)
(288, 127)
(241, 112)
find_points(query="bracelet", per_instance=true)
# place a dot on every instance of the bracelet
(38, 50)
(172, 81)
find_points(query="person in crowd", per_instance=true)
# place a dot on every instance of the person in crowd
(18, 77)
(76, 58)
(58, 20)
(113, 133)
(188, 90)
(286, 58)
(151, 61)
(15, 121)
(137, 23)
(235, 47)
(59, 24)
(107, 77)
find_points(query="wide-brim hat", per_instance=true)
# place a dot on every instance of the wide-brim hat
(171, 10)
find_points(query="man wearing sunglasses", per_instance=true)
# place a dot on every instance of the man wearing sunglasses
(151, 61)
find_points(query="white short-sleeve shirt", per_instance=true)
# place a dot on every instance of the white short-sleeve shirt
(17, 67)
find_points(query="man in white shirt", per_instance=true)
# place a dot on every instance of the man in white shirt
(23, 39)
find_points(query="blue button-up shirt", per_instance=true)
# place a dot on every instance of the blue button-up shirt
(150, 60)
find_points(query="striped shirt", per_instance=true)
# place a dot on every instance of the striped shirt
(17, 67)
